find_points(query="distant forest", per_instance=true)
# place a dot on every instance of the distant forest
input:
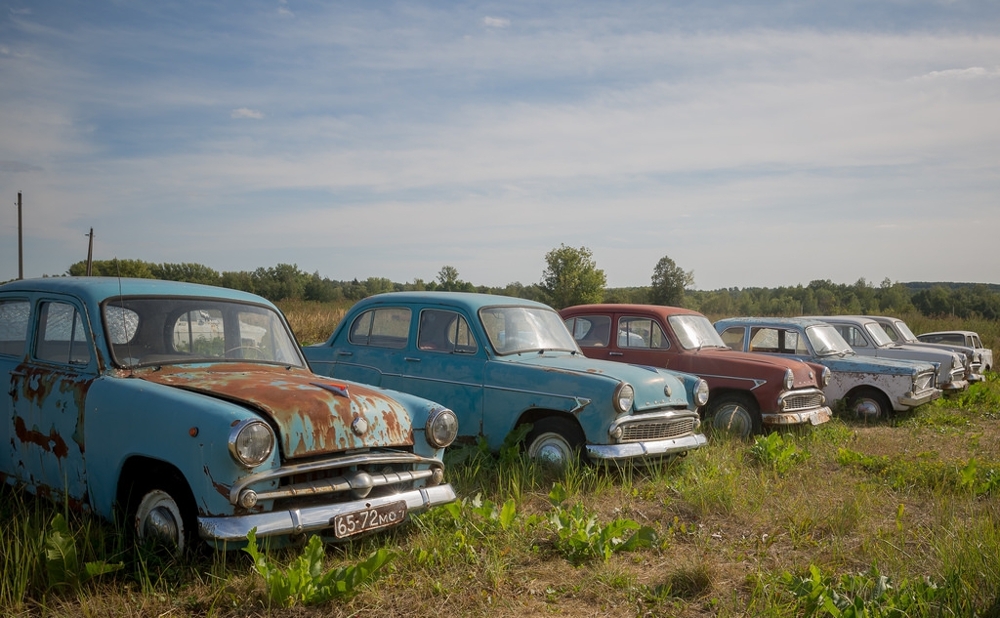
(821, 297)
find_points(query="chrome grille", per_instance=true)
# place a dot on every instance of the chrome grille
(643, 431)
(923, 381)
(794, 402)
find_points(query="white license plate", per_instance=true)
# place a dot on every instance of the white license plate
(357, 522)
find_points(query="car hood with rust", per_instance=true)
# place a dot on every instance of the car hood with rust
(313, 414)
(725, 362)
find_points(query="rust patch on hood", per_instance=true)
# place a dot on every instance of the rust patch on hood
(313, 414)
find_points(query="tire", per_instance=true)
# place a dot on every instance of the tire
(160, 516)
(554, 441)
(869, 404)
(733, 414)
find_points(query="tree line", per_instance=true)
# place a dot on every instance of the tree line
(571, 276)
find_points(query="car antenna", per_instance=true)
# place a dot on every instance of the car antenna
(121, 304)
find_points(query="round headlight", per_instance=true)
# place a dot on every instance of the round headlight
(251, 442)
(789, 379)
(442, 427)
(701, 393)
(624, 397)
(827, 375)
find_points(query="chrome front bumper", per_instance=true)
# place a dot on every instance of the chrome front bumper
(234, 528)
(644, 452)
(816, 416)
(911, 400)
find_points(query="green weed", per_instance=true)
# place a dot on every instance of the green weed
(304, 581)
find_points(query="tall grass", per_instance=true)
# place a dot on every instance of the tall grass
(741, 529)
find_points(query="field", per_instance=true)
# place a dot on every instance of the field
(900, 517)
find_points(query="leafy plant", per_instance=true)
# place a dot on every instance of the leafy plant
(865, 595)
(776, 453)
(62, 563)
(579, 537)
(305, 581)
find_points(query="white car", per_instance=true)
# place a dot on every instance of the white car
(867, 338)
(899, 332)
(964, 337)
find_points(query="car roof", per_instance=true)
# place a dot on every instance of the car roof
(768, 321)
(472, 301)
(950, 332)
(630, 307)
(97, 289)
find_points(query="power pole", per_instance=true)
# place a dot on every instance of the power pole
(20, 242)
(90, 253)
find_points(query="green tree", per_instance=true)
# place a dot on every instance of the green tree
(448, 279)
(572, 277)
(186, 271)
(114, 268)
(669, 282)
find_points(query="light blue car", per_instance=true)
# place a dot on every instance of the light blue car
(191, 410)
(501, 363)
(872, 387)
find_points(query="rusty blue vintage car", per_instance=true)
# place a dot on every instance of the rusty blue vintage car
(191, 411)
(502, 363)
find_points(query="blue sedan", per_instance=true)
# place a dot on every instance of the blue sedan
(500, 363)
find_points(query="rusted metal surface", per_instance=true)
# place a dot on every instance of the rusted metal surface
(312, 419)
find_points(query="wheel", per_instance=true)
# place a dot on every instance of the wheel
(869, 403)
(733, 414)
(161, 519)
(554, 441)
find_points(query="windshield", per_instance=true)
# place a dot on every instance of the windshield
(695, 332)
(526, 329)
(881, 339)
(904, 332)
(166, 330)
(826, 341)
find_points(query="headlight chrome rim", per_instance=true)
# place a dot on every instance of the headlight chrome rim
(624, 397)
(251, 442)
(701, 393)
(442, 428)
(789, 379)
(827, 376)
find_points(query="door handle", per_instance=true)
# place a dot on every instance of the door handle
(615, 354)
(411, 359)
(344, 353)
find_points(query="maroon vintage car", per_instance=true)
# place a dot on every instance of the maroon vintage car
(746, 391)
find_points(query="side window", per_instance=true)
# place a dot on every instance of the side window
(13, 326)
(634, 332)
(890, 331)
(591, 331)
(794, 343)
(445, 331)
(62, 337)
(764, 340)
(733, 337)
(852, 336)
(976, 343)
(387, 327)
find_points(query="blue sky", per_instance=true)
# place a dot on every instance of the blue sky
(755, 143)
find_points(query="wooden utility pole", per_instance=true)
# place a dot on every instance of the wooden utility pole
(20, 242)
(90, 253)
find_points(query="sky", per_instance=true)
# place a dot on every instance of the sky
(756, 143)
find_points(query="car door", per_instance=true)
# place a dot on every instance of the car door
(48, 397)
(433, 355)
(14, 317)
(444, 362)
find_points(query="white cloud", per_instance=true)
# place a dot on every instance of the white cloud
(970, 73)
(496, 22)
(245, 112)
